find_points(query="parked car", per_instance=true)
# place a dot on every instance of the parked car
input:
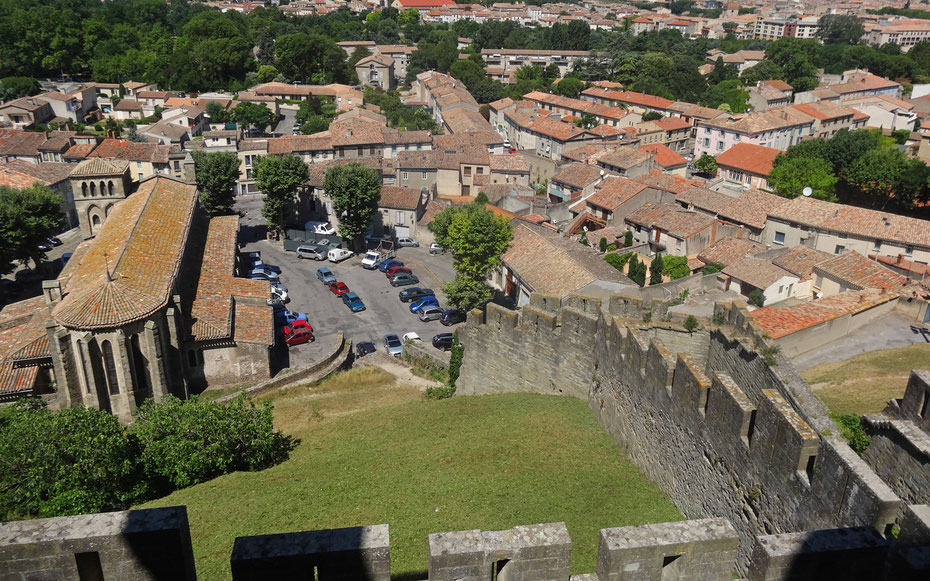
(427, 301)
(53, 241)
(392, 345)
(364, 348)
(436, 249)
(297, 333)
(66, 257)
(411, 336)
(353, 301)
(272, 275)
(325, 275)
(338, 288)
(311, 251)
(403, 242)
(404, 279)
(254, 256)
(269, 267)
(414, 294)
(429, 313)
(452, 316)
(277, 284)
(395, 270)
(338, 254)
(442, 341)
(284, 317)
(389, 264)
(44, 246)
(320, 227)
(370, 260)
(263, 276)
(278, 297)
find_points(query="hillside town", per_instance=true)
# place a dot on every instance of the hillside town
(219, 216)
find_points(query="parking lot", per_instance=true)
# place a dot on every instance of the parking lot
(384, 313)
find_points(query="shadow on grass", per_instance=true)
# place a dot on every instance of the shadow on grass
(410, 576)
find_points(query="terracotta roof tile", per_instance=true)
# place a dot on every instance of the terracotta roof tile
(670, 219)
(729, 250)
(399, 198)
(122, 149)
(664, 156)
(579, 175)
(801, 260)
(625, 157)
(614, 191)
(129, 270)
(781, 321)
(758, 272)
(858, 272)
(750, 158)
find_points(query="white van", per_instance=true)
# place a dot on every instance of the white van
(312, 252)
(338, 254)
(320, 228)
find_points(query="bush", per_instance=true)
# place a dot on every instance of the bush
(186, 442)
(712, 268)
(618, 261)
(756, 298)
(611, 248)
(691, 324)
(676, 267)
(73, 461)
(628, 239)
(851, 429)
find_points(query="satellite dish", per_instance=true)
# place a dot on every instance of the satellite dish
(807, 192)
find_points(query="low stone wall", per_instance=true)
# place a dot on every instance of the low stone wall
(330, 362)
(419, 351)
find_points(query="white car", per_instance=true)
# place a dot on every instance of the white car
(411, 336)
(338, 254)
(278, 296)
(370, 260)
(320, 228)
(435, 248)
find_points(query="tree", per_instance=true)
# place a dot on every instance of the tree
(766, 70)
(73, 461)
(314, 124)
(253, 115)
(706, 164)
(466, 293)
(16, 87)
(355, 190)
(844, 29)
(266, 73)
(602, 244)
(655, 270)
(627, 239)
(844, 148)
(726, 93)
(216, 112)
(358, 54)
(691, 324)
(788, 179)
(278, 177)
(876, 173)
(468, 71)
(636, 271)
(217, 174)
(652, 116)
(756, 298)
(570, 87)
(482, 199)
(27, 217)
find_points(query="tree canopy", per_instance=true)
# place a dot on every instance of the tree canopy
(355, 190)
(217, 173)
(279, 177)
(27, 217)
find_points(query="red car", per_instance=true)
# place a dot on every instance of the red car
(338, 288)
(297, 333)
(396, 270)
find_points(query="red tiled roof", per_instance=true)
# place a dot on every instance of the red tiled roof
(750, 158)
(614, 191)
(129, 270)
(122, 149)
(399, 198)
(729, 250)
(918, 269)
(781, 321)
(758, 272)
(641, 99)
(858, 272)
(664, 156)
(578, 175)
(670, 219)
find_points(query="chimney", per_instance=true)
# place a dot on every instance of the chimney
(51, 289)
(900, 259)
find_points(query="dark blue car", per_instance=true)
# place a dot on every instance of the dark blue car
(285, 317)
(389, 264)
(353, 301)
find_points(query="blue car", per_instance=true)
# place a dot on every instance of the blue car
(389, 264)
(285, 317)
(352, 301)
(424, 302)
(325, 275)
(269, 267)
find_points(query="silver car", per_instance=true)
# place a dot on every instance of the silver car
(392, 345)
(430, 313)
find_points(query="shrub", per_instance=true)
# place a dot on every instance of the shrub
(440, 392)
(186, 442)
(73, 461)
(603, 244)
(676, 267)
(618, 261)
(851, 429)
(712, 268)
(628, 239)
(455, 359)
(637, 271)
(691, 324)
(756, 298)
(611, 247)
(719, 318)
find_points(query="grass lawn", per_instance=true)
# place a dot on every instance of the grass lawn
(863, 384)
(374, 452)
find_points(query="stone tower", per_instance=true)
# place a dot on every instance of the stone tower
(97, 185)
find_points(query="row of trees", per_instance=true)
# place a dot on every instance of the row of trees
(81, 460)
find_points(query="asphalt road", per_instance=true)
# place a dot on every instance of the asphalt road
(384, 312)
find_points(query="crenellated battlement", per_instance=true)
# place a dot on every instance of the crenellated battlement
(720, 431)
